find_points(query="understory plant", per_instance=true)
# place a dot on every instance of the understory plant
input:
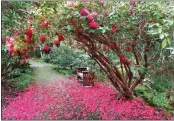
(118, 36)
(12, 66)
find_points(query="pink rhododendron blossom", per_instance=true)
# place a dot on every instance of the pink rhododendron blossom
(29, 32)
(46, 48)
(42, 38)
(90, 18)
(10, 50)
(93, 24)
(84, 12)
(60, 37)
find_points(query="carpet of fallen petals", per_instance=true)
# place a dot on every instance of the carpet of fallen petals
(70, 100)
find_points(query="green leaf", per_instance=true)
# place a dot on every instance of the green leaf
(112, 13)
(104, 29)
(68, 27)
(164, 43)
(91, 30)
(168, 40)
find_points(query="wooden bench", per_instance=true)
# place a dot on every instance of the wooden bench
(80, 72)
(88, 78)
(84, 76)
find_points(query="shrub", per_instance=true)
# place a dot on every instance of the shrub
(161, 84)
(22, 81)
(153, 97)
(160, 100)
(66, 57)
(11, 66)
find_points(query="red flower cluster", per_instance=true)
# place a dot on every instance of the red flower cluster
(26, 55)
(28, 40)
(28, 32)
(42, 38)
(93, 24)
(124, 59)
(90, 17)
(60, 37)
(46, 49)
(84, 12)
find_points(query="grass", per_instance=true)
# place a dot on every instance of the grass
(65, 72)
(22, 81)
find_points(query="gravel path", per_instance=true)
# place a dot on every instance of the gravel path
(43, 72)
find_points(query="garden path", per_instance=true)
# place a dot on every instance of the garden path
(43, 72)
(67, 99)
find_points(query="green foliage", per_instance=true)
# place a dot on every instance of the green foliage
(161, 84)
(160, 100)
(153, 97)
(11, 66)
(67, 57)
(37, 54)
(65, 72)
(22, 81)
(46, 58)
(14, 14)
(100, 76)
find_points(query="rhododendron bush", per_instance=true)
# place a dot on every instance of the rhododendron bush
(70, 100)
(119, 36)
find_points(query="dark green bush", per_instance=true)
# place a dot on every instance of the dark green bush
(37, 53)
(161, 84)
(22, 81)
(160, 100)
(11, 67)
(153, 97)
